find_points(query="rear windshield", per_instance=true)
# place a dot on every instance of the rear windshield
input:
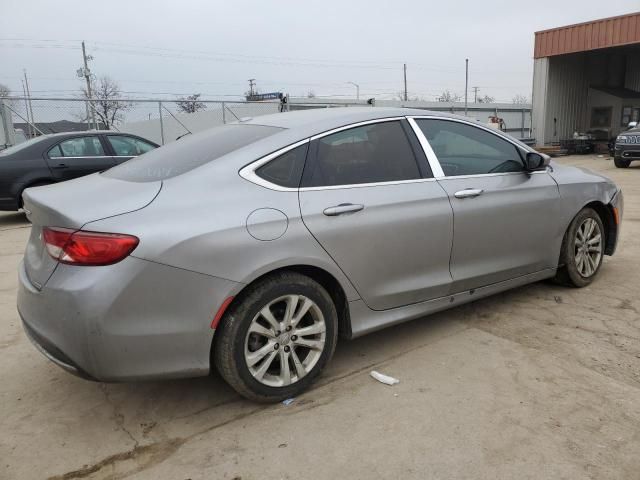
(20, 146)
(189, 152)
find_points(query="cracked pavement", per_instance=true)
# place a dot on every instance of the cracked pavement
(539, 382)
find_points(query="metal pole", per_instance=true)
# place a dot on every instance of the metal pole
(26, 82)
(522, 125)
(26, 111)
(87, 77)
(161, 123)
(224, 114)
(405, 82)
(357, 89)
(466, 85)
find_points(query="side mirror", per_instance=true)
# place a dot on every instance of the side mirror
(632, 125)
(536, 161)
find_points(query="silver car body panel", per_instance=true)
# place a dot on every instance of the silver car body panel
(408, 252)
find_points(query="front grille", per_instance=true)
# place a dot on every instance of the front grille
(628, 140)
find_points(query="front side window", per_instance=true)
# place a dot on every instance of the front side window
(467, 150)
(379, 152)
(124, 146)
(78, 147)
(285, 170)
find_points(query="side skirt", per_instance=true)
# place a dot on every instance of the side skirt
(364, 320)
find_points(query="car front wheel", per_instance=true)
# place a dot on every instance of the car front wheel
(277, 339)
(620, 163)
(582, 249)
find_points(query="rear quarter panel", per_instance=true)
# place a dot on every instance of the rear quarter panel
(199, 222)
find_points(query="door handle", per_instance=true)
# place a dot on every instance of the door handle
(341, 209)
(468, 193)
(60, 165)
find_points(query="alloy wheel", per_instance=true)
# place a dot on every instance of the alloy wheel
(588, 247)
(285, 340)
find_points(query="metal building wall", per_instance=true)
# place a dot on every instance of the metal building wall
(632, 77)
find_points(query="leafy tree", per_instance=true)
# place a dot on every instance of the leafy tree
(190, 104)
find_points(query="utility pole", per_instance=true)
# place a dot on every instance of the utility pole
(252, 83)
(466, 84)
(475, 94)
(26, 109)
(405, 82)
(86, 73)
(26, 82)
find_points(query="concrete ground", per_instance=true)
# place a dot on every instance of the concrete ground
(539, 382)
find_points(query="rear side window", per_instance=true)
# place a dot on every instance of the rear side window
(125, 146)
(379, 152)
(285, 170)
(467, 150)
(189, 152)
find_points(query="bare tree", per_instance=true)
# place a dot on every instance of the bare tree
(447, 96)
(190, 104)
(4, 90)
(486, 99)
(105, 94)
(520, 99)
(311, 94)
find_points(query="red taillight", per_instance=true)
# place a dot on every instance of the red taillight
(77, 247)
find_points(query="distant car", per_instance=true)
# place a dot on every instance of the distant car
(62, 156)
(627, 147)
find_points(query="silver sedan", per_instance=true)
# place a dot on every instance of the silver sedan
(252, 246)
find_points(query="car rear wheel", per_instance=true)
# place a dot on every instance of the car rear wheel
(582, 249)
(277, 339)
(620, 163)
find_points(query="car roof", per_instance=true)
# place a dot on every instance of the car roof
(313, 121)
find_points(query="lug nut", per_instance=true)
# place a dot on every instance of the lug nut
(286, 349)
(288, 328)
(276, 346)
(294, 337)
(278, 332)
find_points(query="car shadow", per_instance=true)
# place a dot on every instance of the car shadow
(13, 219)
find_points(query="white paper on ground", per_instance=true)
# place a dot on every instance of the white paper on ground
(386, 379)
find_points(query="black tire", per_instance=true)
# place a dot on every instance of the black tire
(620, 163)
(230, 337)
(568, 273)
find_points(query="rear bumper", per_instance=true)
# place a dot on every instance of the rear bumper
(134, 320)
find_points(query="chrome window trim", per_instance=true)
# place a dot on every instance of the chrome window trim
(248, 172)
(432, 155)
(76, 157)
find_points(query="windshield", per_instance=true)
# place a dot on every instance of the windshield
(189, 152)
(20, 146)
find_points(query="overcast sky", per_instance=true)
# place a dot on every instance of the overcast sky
(157, 48)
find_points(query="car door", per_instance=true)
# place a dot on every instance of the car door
(125, 147)
(369, 199)
(77, 156)
(504, 217)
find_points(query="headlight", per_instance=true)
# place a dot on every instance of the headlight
(621, 139)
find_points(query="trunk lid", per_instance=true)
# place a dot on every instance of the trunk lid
(72, 204)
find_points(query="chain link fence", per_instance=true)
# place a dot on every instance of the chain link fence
(163, 121)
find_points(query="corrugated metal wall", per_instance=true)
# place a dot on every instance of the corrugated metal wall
(604, 33)
(632, 77)
(566, 103)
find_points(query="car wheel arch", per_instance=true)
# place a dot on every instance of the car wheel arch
(40, 182)
(605, 212)
(328, 281)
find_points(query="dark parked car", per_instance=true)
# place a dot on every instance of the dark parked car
(627, 147)
(62, 156)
